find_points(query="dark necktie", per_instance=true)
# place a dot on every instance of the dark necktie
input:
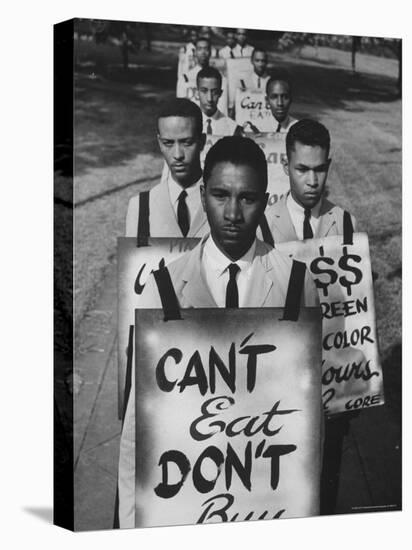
(258, 81)
(209, 126)
(232, 294)
(279, 127)
(183, 213)
(307, 229)
(232, 55)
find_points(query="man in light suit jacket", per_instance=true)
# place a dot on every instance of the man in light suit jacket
(173, 207)
(228, 268)
(304, 212)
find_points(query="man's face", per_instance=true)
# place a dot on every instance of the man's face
(279, 99)
(209, 93)
(231, 39)
(307, 169)
(241, 37)
(234, 202)
(259, 62)
(180, 145)
(193, 36)
(203, 52)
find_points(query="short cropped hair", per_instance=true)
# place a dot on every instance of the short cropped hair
(260, 50)
(240, 151)
(182, 107)
(308, 132)
(279, 76)
(209, 72)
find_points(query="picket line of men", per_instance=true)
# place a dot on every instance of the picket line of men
(223, 205)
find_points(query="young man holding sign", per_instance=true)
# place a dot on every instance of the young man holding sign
(173, 208)
(305, 213)
(228, 268)
(209, 88)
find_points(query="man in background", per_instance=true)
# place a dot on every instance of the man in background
(209, 87)
(173, 208)
(242, 49)
(227, 52)
(305, 213)
(279, 98)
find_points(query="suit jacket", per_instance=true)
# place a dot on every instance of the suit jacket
(271, 279)
(282, 229)
(162, 218)
(272, 271)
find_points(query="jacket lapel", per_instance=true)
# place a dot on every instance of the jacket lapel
(199, 221)
(195, 291)
(328, 222)
(283, 222)
(262, 282)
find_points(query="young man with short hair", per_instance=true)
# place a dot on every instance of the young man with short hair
(259, 75)
(209, 88)
(242, 49)
(227, 52)
(279, 97)
(173, 206)
(304, 212)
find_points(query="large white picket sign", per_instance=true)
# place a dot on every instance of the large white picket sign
(352, 374)
(273, 145)
(134, 266)
(252, 111)
(228, 416)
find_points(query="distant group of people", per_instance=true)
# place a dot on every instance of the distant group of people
(223, 202)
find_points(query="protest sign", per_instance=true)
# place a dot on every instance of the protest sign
(228, 415)
(351, 373)
(252, 111)
(274, 147)
(237, 70)
(134, 265)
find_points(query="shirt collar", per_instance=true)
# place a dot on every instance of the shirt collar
(216, 116)
(175, 188)
(219, 263)
(298, 210)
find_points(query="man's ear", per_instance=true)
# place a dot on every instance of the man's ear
(329, 163)
(196, 94)
(158, 140)
(202, 196)
(221, 92)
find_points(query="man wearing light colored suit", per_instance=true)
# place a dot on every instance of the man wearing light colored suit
(228, 268)
(181, 141)
(304, 212)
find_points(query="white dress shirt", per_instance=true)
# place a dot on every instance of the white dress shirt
(297, 214)
(193, 195)
(256, 82)
(221, 125)
(216, 273)
(285, 125)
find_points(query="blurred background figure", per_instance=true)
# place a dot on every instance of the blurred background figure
(243, 48)
(227, 51)
(187, 53)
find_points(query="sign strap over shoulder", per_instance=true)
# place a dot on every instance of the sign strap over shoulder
(143, 226)
(347, 228)
(129, 366)
(170, 304)
(266, 233)
(294, 292)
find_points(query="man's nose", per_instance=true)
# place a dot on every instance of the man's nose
(280, 101)
(233, 211)
(178, 152)
(313, 178)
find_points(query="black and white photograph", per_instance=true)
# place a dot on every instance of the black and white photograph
(228, 344)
